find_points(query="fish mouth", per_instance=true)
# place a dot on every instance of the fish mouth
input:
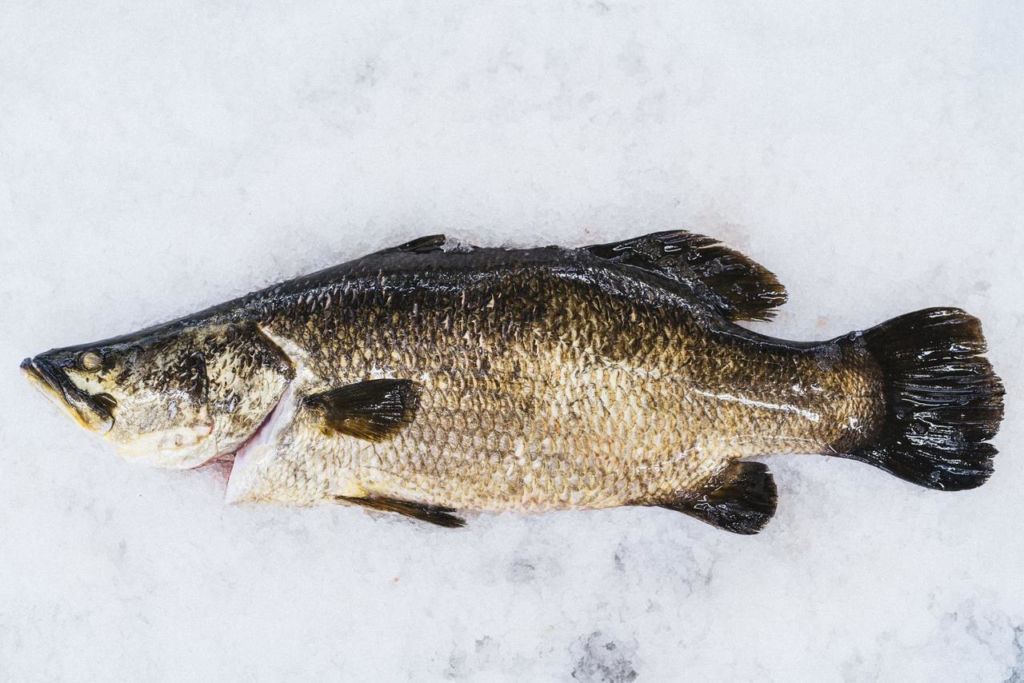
(58, 387)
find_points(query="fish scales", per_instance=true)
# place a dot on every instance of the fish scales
(603, 391)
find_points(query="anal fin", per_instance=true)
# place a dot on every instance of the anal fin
(731, 283)
(741, 498)
(434, 514)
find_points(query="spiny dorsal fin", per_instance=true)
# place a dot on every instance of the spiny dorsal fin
(435, 514)
(736, 286)
(430, 244)
(420, 245)
(741, 499)
(375, 410)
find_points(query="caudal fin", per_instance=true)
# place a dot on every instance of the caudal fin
(944, 402)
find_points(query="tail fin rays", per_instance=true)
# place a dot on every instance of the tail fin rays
(944, 401)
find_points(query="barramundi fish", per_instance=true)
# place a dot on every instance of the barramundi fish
(436, 378)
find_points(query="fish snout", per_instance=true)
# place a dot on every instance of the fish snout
(58, 387)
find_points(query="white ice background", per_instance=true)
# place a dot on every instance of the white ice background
(157, 158)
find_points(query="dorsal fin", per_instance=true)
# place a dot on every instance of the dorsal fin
(420, 245)
(736, 286)
(429, 245)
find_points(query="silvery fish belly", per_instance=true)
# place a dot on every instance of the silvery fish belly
(434, 378)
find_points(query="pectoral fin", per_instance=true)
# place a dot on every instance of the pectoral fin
(435, 514)
(375, 410)
(741, 499)
(729, 282)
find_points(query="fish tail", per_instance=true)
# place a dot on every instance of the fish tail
(943, 400)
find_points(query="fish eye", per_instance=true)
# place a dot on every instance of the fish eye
(90, 361)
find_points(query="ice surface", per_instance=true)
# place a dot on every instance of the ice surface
(156, 158)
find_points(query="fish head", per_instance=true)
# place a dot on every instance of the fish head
(176, 396)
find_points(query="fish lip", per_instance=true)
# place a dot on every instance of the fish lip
(86, 410)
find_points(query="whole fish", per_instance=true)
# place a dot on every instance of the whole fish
(436, 377)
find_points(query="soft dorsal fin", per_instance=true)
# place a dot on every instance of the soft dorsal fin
(375, 410)
(741, 498)
(434, 514)
(736, 286)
